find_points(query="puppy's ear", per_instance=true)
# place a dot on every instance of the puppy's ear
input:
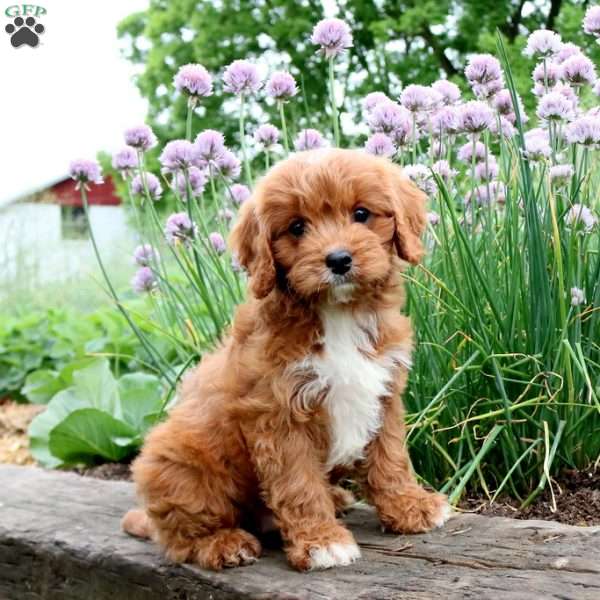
(251, 245)
(409, 215)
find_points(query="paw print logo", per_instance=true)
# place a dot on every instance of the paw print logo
(24, 31)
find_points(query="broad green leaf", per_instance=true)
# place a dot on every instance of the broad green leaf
(58, 408)
(89, 433)
(141, 395)
(97, 385)
(41, 386)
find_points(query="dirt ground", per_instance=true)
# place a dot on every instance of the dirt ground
(577, 494)
(14, 420)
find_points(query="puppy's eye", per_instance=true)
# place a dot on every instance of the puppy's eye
(361, 214)
(297, 227)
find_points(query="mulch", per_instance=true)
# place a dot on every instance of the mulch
(576, 493)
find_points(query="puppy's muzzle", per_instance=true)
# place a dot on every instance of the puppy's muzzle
(339, 261)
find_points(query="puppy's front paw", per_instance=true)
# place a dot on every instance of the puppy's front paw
(336, 549)
(414, 510)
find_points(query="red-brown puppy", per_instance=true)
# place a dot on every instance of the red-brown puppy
(308, 384)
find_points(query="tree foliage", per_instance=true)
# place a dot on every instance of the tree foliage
(395, 42)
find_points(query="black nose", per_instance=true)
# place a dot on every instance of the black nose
(339, 261)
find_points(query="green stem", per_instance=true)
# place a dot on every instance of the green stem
(284, 134)
(334, 110)
(247, 169)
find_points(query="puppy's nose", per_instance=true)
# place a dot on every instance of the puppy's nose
(339, 261)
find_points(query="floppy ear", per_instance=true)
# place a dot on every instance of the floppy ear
(409, 215)
(251, 246)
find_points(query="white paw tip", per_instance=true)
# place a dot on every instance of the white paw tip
(333, 555)
(443, 516)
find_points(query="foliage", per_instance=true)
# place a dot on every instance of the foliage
(394, 43)
(97, 417)
(40, 350)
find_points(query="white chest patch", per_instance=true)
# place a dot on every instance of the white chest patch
(355, 381)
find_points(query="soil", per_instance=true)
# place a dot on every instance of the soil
(14, 421)
(577, 493)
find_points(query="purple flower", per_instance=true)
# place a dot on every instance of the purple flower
(433, 218)
(475, 116)
(505, 128)
(449, 91)
(502, 102)
(482, 69)
(281, 86)
(421, 177)
(85, 171)
(596, 88)
(226, 215)
(210, 144)
(267, 135)
(333, 35)
(438, 149)
(445, 120)
(578, 70)
(591, 21)
(217, 242)
(125, 160)
(554, 107)
(443, 169)
(370, 101)
(537, 144)
(194, 80)
(488, 192)
(543, 43)
(241, 77)
(550, 76)
(380, 144)
(566, 51)
(178, 154)
(145, 255)
(143, 280)
(577, 294)
(584, 130)
(561, 174)
(140, 137)
(229, 165)
(196, 179)
(417, 97)
(486, 172)
(179, 228)
(387, 116)
(309, 139)
(152, 183)
(485, 91)
(239, 193)
(465, 153)
(581, 218)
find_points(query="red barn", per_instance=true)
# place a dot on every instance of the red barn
(64, 192)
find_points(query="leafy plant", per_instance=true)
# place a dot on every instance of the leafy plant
(96, 418)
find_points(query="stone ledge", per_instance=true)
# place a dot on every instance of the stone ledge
(60, 540)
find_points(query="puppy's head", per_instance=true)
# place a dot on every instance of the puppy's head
(327, 224)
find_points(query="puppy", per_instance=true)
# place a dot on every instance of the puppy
(307, 387)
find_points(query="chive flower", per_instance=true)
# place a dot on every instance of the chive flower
(309, 139)
(140, 137)
(145, 255)
(125, 161)
(144, 280)
(267, 136)
(380, 144)
(179, 229)
(217, 242)
(85, 171)
(239, 193)
(333, 35)
(195, 177)
(193, 80)
(281, 86)
(242, 77)
(152, 183)
(178, 155)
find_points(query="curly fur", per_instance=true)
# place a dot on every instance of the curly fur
(306, 388)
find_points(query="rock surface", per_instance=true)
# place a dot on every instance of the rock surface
(60, 540)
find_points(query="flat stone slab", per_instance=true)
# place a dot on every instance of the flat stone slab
(60, 540)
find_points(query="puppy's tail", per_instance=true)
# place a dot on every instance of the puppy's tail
(136, 522)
